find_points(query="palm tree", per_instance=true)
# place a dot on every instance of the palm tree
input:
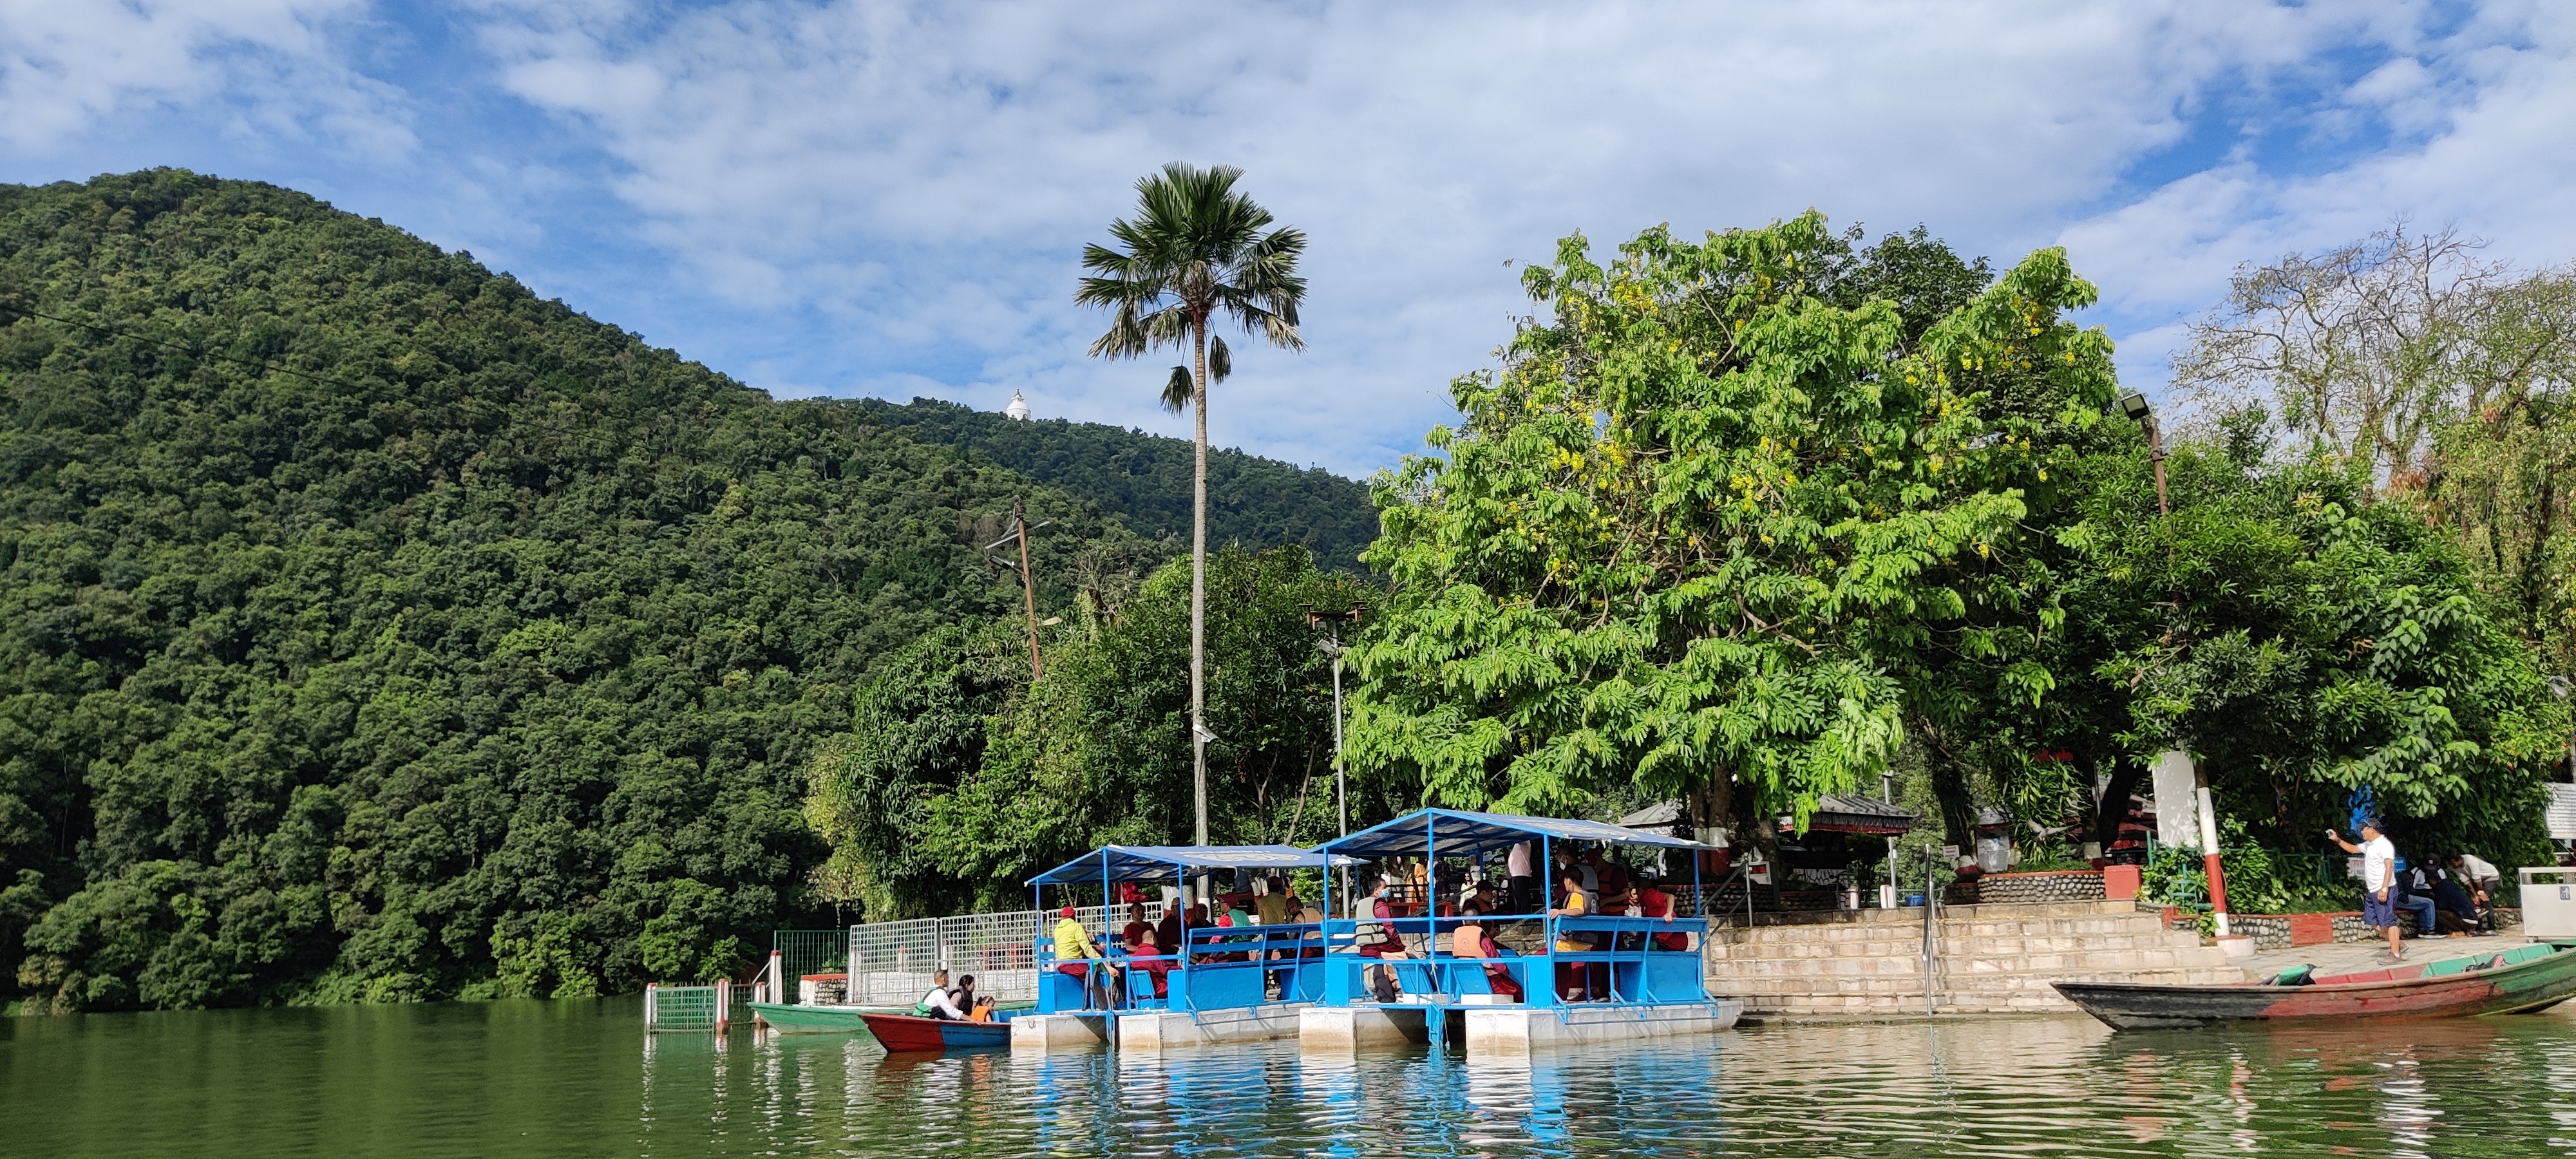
(1196, 250)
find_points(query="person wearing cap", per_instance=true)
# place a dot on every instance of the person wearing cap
(2378, 882)
(1072, 944)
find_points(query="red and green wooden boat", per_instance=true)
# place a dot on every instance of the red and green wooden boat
(2516, 981)
(911, 1034)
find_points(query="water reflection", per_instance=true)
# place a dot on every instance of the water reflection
(569, 1078)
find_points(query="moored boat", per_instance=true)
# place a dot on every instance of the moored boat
(910, 1033)
(815, 1019)
(2515, 981)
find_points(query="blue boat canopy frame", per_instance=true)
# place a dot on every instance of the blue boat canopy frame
(1115, 863)
(1459, 833)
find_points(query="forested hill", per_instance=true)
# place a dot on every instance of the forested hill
(371, 628)
(1145, 479)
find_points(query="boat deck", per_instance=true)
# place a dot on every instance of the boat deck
(2365, 957)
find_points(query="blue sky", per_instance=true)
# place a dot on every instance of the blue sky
(890, 199)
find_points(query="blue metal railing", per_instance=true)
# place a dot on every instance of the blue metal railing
(1626, 966)
(1220, 968)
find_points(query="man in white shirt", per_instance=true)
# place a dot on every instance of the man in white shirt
(2475, 873)
(939, 1003)
(2378, 882)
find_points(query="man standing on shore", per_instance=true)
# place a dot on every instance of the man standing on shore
(2378, 882)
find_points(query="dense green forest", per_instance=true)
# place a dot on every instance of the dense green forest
(373, 629)
(1145, 479)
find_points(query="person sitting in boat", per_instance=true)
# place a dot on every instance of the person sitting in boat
(1573, 979)
(1146, 958)
(963, 994)
(940, 1003)
(1653, 902)
(1073, 942)
(1275, 903)
(1167, 933)
(1136, 925)
(1612, 896)
(1471, 940)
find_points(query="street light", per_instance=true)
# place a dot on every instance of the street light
(1331, 645)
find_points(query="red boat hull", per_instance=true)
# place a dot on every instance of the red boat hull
(908, 1034)
(2435, 991)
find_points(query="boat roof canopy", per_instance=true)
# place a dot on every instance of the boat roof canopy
(1143, 862)
(1458, 832)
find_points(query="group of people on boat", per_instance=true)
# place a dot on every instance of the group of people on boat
(1141, 958)
(958, 1003)
(1588, 884)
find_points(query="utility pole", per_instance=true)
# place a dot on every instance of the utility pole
(2135, 406)
(1020, 529)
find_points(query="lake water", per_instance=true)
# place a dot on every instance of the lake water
(509, 1079)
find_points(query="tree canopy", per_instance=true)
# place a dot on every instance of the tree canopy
(1714, 511)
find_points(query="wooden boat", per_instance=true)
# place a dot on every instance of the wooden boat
(2515, 981)
(907, 1033)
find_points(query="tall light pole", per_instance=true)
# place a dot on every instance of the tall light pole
(2134, 405)
(1331, 645)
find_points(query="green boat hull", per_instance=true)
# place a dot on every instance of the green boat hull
(818, 1019)
(827, 1019)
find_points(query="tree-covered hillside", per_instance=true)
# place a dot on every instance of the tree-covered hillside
(1145, 479)
(481, 655)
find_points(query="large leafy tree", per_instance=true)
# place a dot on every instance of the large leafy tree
(2305, 642)
(1197, 252)
(1716, 517)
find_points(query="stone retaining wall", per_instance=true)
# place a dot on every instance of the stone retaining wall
(2284, 931)
(2045, 885)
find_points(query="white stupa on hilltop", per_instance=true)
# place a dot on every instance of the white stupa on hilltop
(1019, 408)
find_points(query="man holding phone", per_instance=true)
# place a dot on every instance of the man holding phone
(2378, 882)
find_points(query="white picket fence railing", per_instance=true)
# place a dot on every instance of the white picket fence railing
(891, 963)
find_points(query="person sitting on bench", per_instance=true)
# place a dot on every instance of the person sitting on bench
(1470, 940)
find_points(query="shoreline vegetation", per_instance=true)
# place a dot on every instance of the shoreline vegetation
(375, 631)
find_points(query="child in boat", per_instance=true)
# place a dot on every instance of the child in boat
(1573, 979)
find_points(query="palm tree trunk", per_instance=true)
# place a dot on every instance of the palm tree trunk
(1198, 588)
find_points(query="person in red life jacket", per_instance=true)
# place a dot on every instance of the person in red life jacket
(1653, 902)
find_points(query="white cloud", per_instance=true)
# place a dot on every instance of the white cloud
(926, 173)
(890, 197)
(68, 66)
(2479, 122)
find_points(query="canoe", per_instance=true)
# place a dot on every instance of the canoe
(2516, 981)
(907, 1033)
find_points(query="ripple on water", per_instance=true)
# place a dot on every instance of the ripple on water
(511, 1079)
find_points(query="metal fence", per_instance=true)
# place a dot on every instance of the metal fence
(681, 1007)
(891, 963)
(802, 952)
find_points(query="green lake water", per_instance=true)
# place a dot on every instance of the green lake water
(508, 1079)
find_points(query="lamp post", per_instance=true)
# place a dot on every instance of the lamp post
(1331, 645)
(2134, 405)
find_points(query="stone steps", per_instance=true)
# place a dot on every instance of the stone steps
(1993, 958)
